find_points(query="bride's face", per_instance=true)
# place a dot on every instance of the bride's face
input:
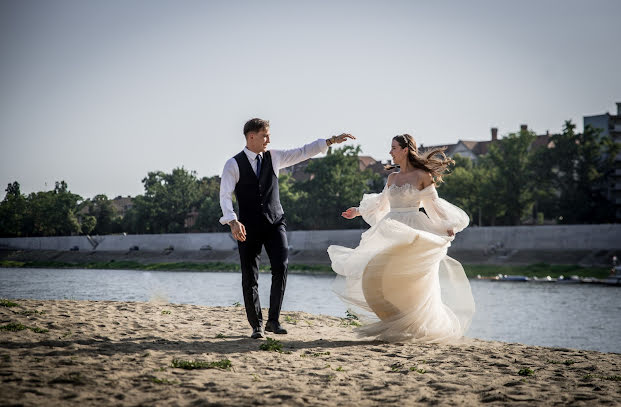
(398, 153)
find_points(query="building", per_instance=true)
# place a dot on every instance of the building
(122, 205)
(475, 149)
(610, 126)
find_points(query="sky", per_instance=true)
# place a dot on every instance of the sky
(99, 93)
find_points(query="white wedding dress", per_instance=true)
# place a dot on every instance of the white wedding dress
(399, 280)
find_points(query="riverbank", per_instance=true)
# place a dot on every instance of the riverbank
(541, 270)
(128, 353)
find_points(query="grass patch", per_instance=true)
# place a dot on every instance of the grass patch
(291, 320)
(526, 372)
(38, 330)
(31, 312)
(199, 364)
(588, 377)
(163, 381)
(165, 312)
(314, 354)
(237, 304)
(271, 345)
(7, 303)
(536, 270)
(70, 378)
(417, 370)
(13, 327)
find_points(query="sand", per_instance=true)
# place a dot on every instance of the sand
(104, 353)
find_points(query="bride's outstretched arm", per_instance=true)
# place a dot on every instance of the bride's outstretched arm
(447, 216)
(373, 207)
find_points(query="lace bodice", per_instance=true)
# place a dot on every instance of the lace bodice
(407, 197)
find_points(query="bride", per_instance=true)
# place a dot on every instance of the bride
(399, 281)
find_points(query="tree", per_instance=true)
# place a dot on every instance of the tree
(167, 201)
(209, 211)
(104, 214)
(52, 213)
(578, 167)
(512, 174)
(336, 184)
(12, 211)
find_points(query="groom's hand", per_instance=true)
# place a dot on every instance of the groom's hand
(341, 138)
(238, 230)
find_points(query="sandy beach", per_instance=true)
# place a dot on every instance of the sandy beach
(63, 352)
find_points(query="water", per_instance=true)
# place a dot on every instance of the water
(566, 315)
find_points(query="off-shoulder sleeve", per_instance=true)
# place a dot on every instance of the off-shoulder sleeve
(446, 215)
(374, 207)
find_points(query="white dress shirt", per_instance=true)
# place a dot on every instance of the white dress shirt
(280, 159)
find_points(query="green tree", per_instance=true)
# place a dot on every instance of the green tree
(12, 211)
(166, 203)
(52, 213)
(209, 211)
(293, 200)
(107, 220)
(336, 184)
(511, 171)
(578, 167)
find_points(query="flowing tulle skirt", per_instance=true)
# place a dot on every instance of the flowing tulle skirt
(401, 284)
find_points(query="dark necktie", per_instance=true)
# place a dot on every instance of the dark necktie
(258, 165)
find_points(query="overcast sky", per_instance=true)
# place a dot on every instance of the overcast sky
(98, 93)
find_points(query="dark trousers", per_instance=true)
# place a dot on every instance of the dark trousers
(274, 238)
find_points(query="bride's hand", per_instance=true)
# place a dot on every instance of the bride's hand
(350, 213)
(450, 232)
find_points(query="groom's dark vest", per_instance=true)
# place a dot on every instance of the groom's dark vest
(257, 198)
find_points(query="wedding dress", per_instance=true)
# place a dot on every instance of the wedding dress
(399, 280)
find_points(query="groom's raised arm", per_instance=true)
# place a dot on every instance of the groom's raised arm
(230, 176)
(287, 158)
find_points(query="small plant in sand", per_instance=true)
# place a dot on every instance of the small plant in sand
(7, 303)
(290, 320)
(13, 327)
(163, 381)
(340, 369)
(417, 370)
(31, 312)
(272, 345)
(569, 362)
(220, 336)
(199, 364)
(16, 326)
(526, 372)
(350, 319)
(314, 354)
(38, 330)
(165, 312)
(237, 304)
(588, 377)
(255, 377)
(396, 367)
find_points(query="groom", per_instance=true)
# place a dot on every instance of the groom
(253, 176)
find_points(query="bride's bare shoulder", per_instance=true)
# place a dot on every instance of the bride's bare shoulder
(391, 178)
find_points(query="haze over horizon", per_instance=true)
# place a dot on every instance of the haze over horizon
(100, 93)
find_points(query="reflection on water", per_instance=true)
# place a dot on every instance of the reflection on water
(574, 315)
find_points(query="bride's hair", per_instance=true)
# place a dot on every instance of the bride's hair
(433, 160)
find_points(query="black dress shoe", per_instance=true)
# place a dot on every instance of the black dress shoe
(257, 333)
(275, 327)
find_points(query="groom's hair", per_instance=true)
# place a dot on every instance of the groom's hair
(255, 124)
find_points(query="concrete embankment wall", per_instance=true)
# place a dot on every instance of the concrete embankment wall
(570, 237)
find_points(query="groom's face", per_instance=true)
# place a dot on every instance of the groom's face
(258, 141)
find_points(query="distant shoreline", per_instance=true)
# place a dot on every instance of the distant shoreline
(540, 270)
